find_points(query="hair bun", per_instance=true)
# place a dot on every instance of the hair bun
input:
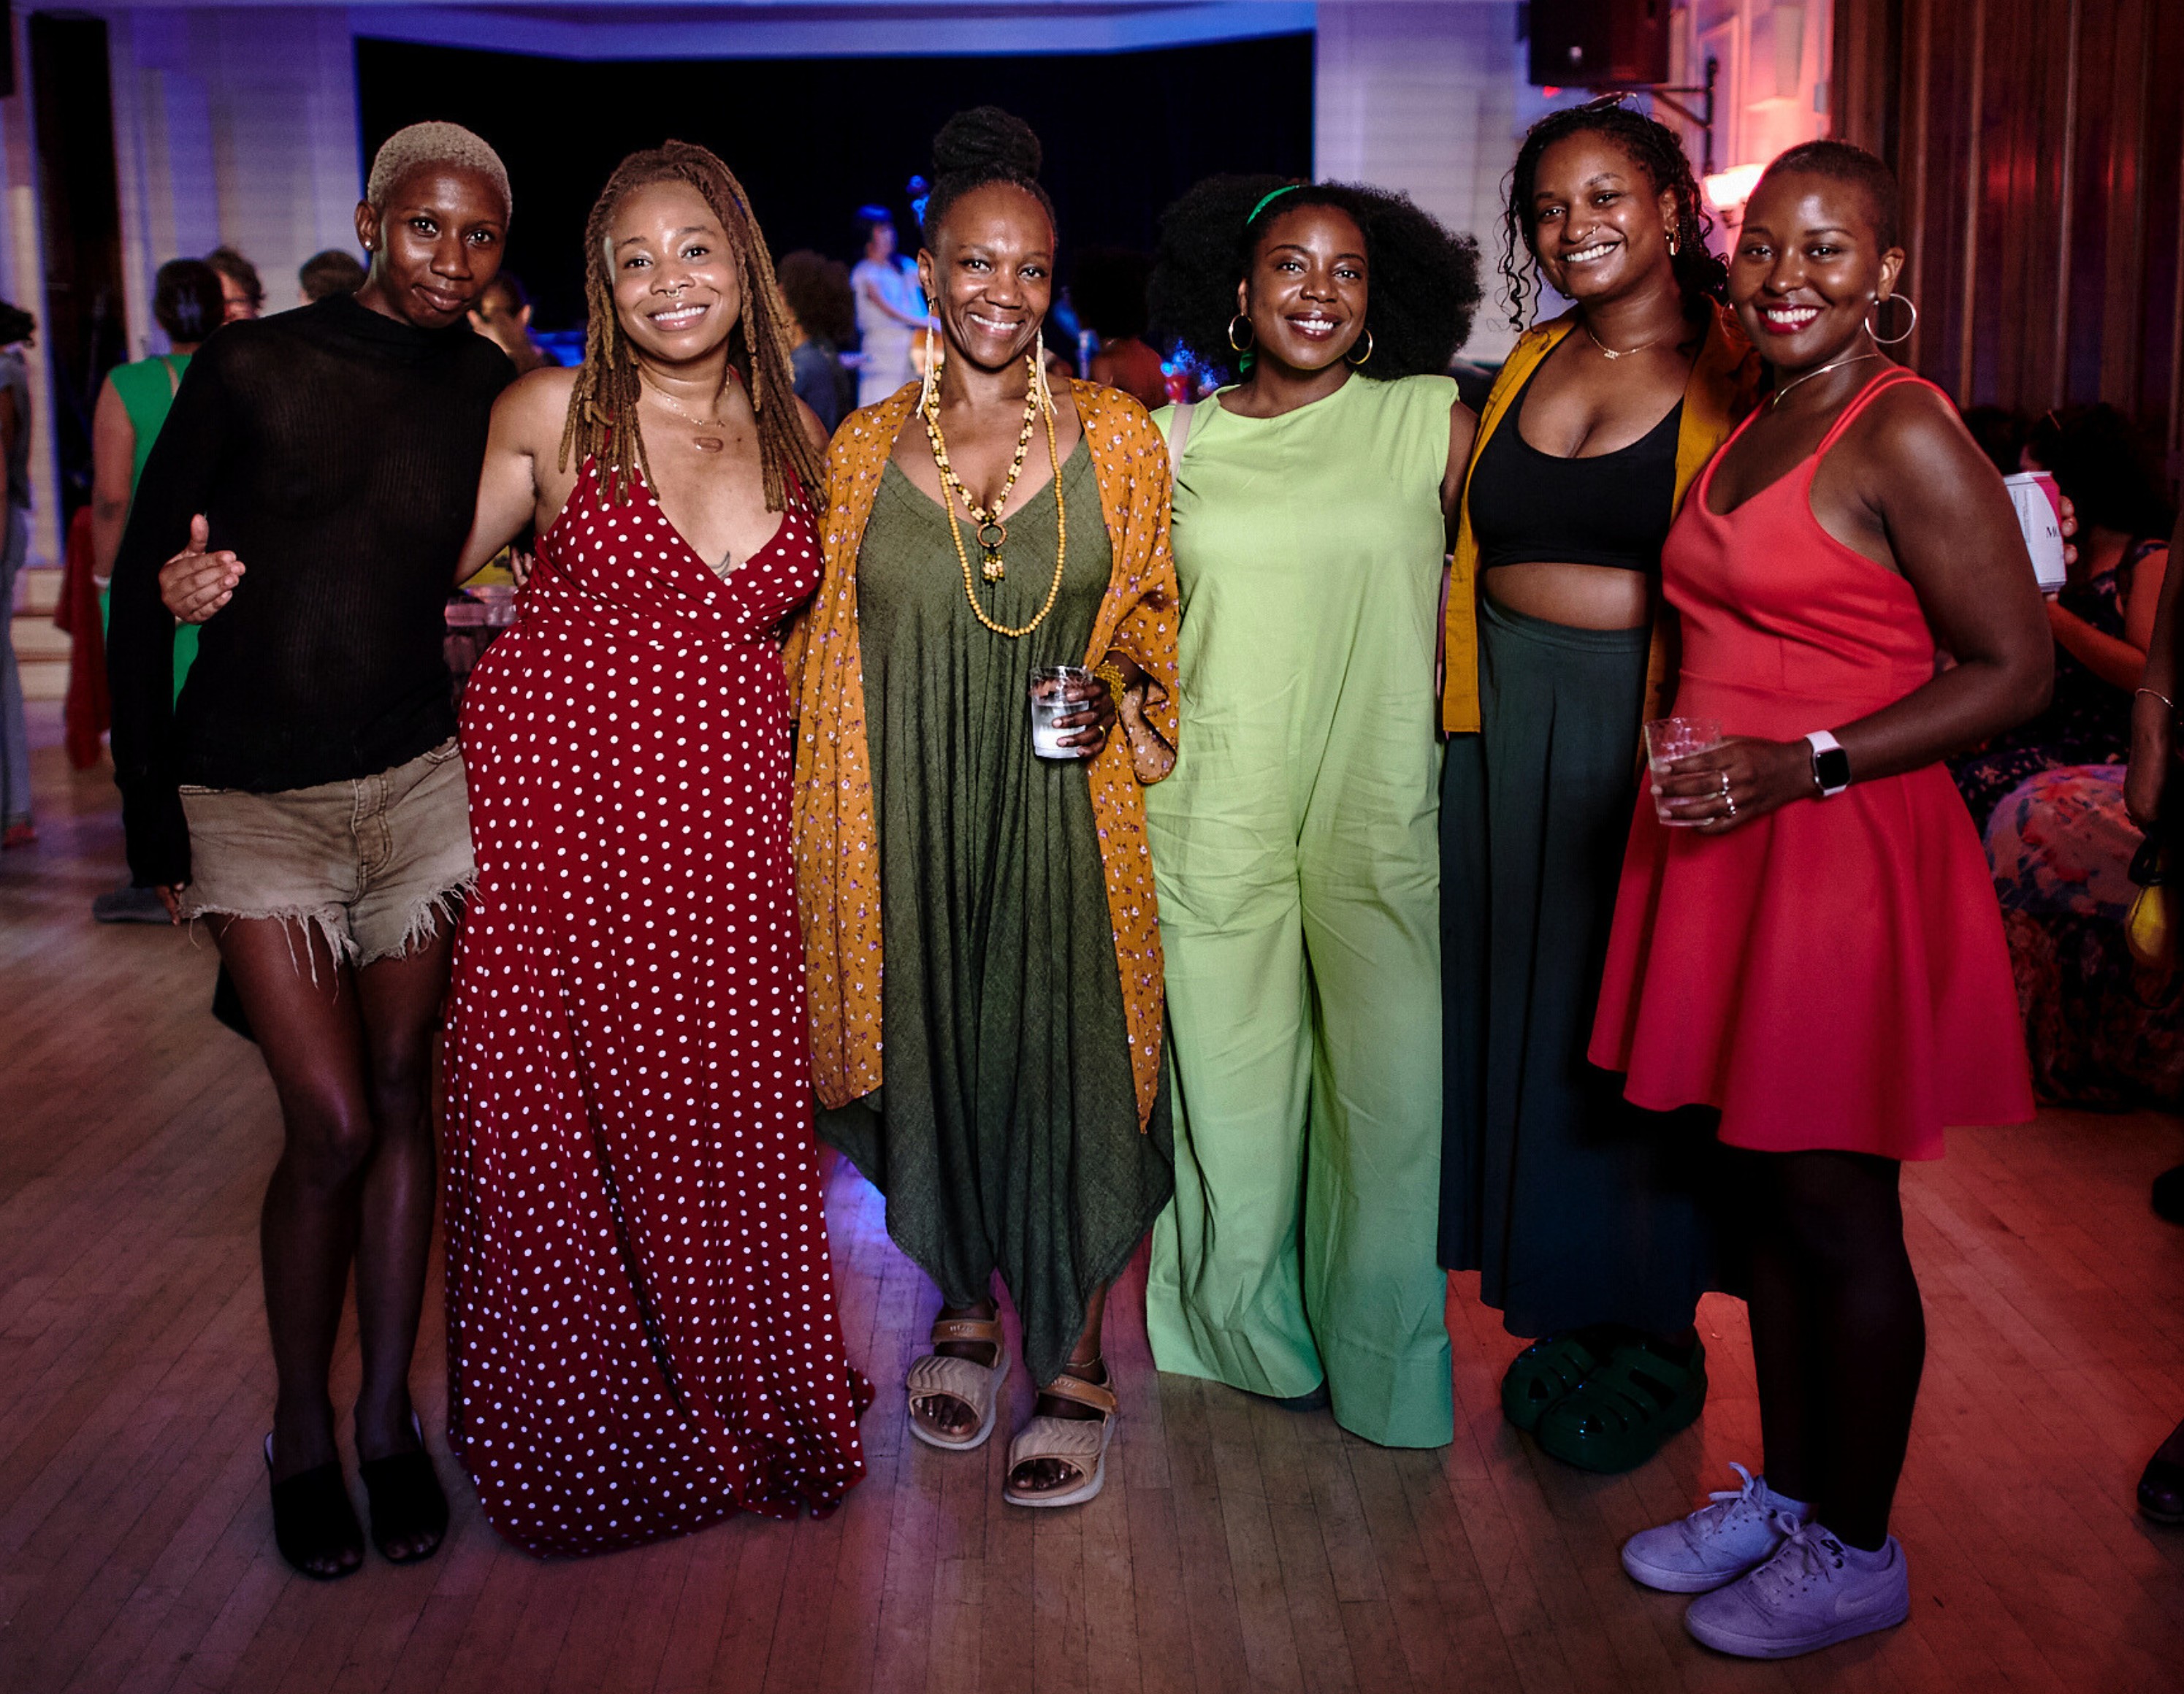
(987, 138)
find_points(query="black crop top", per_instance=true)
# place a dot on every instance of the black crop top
(1611, 509)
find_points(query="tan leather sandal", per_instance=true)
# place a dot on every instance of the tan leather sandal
(942, 1376)
(1080, 1443)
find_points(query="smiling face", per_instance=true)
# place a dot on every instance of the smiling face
(678, 283)
(434, 245)
(1306, 290)
(1599, 227)
(990, 273)
(1809, 265)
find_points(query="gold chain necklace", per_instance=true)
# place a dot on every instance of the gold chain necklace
(1612, 354)
(992, 533)
(704, 443)
(955, 524)
(1855, 359)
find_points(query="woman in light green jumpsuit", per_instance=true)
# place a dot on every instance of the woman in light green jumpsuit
(1295, 847)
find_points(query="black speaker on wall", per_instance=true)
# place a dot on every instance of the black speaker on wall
(1579, 43)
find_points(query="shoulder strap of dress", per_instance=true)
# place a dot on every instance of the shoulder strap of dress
(1894, 377)
(1178, 431)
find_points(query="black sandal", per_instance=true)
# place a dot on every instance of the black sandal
(314, 1524)
(407, 1500)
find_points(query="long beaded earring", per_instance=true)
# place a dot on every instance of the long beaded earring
(1040, 392)
(928, 393)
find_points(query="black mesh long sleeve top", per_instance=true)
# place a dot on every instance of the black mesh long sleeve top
(336, 451)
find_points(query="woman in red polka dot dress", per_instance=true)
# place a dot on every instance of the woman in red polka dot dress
(643, 1336)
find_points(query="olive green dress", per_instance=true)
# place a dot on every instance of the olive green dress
(1006, 1137)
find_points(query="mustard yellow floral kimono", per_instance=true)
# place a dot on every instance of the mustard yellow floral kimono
(1021, 1126)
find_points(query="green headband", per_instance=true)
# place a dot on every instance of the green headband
(1268, 199)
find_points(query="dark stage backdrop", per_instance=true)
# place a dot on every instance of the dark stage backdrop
(812, 140)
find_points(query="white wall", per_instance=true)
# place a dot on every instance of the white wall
(235, 125)
(1423, 97)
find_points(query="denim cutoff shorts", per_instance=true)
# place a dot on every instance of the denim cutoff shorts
(375, 864)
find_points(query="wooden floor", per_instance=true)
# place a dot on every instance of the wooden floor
(1235, 1547)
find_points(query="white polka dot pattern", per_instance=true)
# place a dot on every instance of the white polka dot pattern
(643, 1335)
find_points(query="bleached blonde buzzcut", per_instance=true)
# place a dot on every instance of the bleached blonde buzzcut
(435, 143)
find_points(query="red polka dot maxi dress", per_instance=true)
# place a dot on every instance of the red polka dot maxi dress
(641, 1329)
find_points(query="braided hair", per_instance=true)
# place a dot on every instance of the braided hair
(1421, 286)
(982, 146)
(1652, 147)
(602, 420)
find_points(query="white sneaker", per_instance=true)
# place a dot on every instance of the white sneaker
(1808, 1596)
(1715, 1545)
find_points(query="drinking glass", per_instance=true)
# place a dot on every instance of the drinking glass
(1050, 701)
(1669, 739)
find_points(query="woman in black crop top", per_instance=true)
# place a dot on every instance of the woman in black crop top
(1582, 1215)
(305, 796)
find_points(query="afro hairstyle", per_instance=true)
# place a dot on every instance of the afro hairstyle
(1422, 278)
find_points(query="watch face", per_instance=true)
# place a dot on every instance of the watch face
(1832, 767)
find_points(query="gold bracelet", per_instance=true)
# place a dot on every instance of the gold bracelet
(1108, 671)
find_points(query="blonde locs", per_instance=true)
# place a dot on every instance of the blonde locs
(602, 420)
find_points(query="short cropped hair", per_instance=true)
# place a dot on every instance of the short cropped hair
(330, 273)
(1839, 161)
(435, 143)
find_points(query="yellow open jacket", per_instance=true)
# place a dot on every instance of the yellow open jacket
(1722, 387)
(836, 842)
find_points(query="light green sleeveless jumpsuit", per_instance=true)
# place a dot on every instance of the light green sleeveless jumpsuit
(1295, 854)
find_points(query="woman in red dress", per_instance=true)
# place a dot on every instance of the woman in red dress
(1818, 954)
(643, 1336)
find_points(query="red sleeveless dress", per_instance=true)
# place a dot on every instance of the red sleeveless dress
(1832, 975)
(642, 1327)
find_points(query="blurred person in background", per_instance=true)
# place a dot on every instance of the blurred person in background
(823, 309)
(331, 272)
(189, 303)
(238, 282)
(503, 316)
(2102, 620)
(1109, 291)
(17, 327)
(890, 306)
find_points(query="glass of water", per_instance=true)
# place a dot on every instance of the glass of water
(1050, 701)
(1669, 739)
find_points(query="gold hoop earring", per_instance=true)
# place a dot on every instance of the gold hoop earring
(1234, 345)
(1369, 349)
(928, 392)
(1909, 329)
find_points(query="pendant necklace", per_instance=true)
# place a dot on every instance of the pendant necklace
(990, 532)
(1612, 353)
(984, 519)
(1854, 358)
(704, 443)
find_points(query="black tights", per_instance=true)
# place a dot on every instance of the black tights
(350, 1052)
(1838, 1334)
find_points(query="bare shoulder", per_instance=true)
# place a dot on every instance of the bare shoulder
(1911, 418)
(536, 405)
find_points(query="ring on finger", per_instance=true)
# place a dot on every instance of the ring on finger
(1729, 801)
(1724, 784)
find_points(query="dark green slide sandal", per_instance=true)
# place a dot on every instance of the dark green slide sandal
(1619, 1417)
(1551, 1367)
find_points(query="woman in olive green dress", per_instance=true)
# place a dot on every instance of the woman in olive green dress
(982, 527)
(1295, 846)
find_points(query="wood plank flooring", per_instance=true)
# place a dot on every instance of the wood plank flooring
(1235, 1548)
